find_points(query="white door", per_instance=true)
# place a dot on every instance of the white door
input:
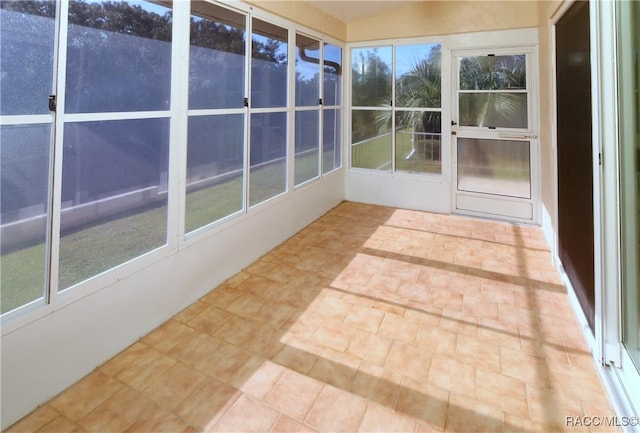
(494, 134)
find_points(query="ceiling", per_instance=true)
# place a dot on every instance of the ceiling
(349, 11)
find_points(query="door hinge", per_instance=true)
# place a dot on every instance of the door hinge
(245, 102)
(600, 158)
(52, 103)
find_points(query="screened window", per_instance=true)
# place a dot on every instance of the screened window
(114, 174)
(332, 108)
(27, 37)
(228, 142)
(396, 108)
(307, 116)
(216, 137)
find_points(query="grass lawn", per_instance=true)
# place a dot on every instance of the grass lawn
(376, 154)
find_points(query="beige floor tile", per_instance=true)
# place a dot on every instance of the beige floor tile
(549, 407)
(286, 424)
(377, 384)
(277, 314)
(336, 368)
(294, 394)
(527, 368)
(332, 336)
(369, 347)
(371, 318)
(257, 377)
(118, 412)
(238, 330)
(424, 402)
(380, 419)
(502, 391)
(453, 376)
(399, 329)
(172, 387)
(423, 313)
(409, 361)
(474, 352)
(365, 318)
(332, 307)
(436, 341)
(336, 411)
(246, 305)
(296, 359)
(267, 342)
(61, 425)
(210, 320)
(197, 350)
(145, 369)
(35, 420)
(186, 315)
(77, 401)
(119, 362)
(222, 296)
(157, 420)
(227, 363)
(468, 415)
(207, 404)
(168, 335)
(247, 415)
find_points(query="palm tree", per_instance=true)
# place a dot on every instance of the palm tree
(417, 89)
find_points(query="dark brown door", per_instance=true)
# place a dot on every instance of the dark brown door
(575, 170)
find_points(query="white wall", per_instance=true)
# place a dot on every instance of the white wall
(43, 357)
(418, 192)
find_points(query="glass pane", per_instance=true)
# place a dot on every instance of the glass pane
(332, 75)
(331, 140)
(307, 71)
(114, 194)
(418, 76)
(418, 141)
(493, 110)
(118, 57)
(27, 36)
(268, 65)
(494, 167)
(215, 159)
(24, 182)
(307, 145)
(216, 57)
(371, 139)
(629, 107)
(371, 77)
(493, 72)
(268, 169)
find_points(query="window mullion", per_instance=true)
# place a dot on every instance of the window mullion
(179, 124)
(58, 137)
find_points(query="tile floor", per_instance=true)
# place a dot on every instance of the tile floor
(370, 319)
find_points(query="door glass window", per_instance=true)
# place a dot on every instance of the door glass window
(499, 167)
(493, 91)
